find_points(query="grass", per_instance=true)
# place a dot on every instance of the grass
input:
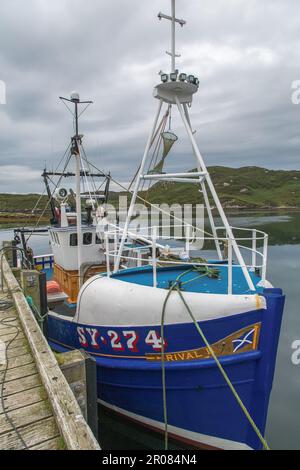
(248, 187)
(21, 202)
(237, 188)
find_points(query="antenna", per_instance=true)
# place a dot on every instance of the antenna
(75, 151)
(75, 99)
(173, 20)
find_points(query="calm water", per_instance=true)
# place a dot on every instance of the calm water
(283, 429)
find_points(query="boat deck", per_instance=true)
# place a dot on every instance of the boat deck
(26, 416)
(192, 280)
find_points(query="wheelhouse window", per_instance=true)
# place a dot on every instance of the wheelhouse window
(87, 238)
(98, 239)
(73, 239)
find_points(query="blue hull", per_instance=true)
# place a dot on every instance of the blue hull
(201, 409)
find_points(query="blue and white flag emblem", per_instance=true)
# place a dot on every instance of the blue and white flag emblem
(246, 338)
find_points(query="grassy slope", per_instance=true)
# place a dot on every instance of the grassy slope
(250, 187)
(21, 202)
(264, 189)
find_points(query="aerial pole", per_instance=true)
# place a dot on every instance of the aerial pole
(173, 20)
(75, 151)
(173, 50)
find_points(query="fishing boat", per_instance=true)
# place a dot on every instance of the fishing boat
(185, 343)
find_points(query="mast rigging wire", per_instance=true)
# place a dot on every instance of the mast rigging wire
(154, 206)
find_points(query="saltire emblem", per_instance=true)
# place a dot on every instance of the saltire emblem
(245, 339)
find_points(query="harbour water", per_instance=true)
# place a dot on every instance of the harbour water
(283, 428)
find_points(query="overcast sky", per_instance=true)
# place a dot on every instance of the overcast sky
(246, 54)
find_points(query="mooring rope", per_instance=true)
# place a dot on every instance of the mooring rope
(40, 318)
(176, 286)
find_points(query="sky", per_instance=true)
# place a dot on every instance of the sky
(245, 53)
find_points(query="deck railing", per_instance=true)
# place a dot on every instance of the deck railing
(252, 243)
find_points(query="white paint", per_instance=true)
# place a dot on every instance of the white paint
(78, 211)
(108, 301)
(137, 184)
(213, 192)
(66, 255)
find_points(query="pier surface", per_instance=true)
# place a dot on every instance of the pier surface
(38, 410)
(26, 417)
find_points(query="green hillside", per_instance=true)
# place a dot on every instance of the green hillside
(21, 202)
(248, 187)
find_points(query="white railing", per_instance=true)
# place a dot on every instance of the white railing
(253, 244)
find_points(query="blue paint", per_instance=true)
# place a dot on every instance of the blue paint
(198, 398)
(205, 284)
(180, 337)
(49, 273)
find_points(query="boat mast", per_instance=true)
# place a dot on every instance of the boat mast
(75, 151)
(178, 90)
(173, 55)
(173, 20)
(78, 191)
(173, 37)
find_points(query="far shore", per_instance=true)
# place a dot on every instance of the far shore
(13, 219)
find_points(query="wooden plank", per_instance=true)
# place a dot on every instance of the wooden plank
(19, 385)
(18, 372)
(24, 416)
(7, 314)
(17, 362)
(71, 423)
(8, 322)
(33, 434)
(12, 338)
(18, 351)
(23, 398)
(17, 343)
(52, 444)
(10, 330)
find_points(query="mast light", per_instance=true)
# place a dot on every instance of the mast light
(164, 77)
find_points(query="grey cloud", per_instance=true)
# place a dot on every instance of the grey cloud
(245, 53)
